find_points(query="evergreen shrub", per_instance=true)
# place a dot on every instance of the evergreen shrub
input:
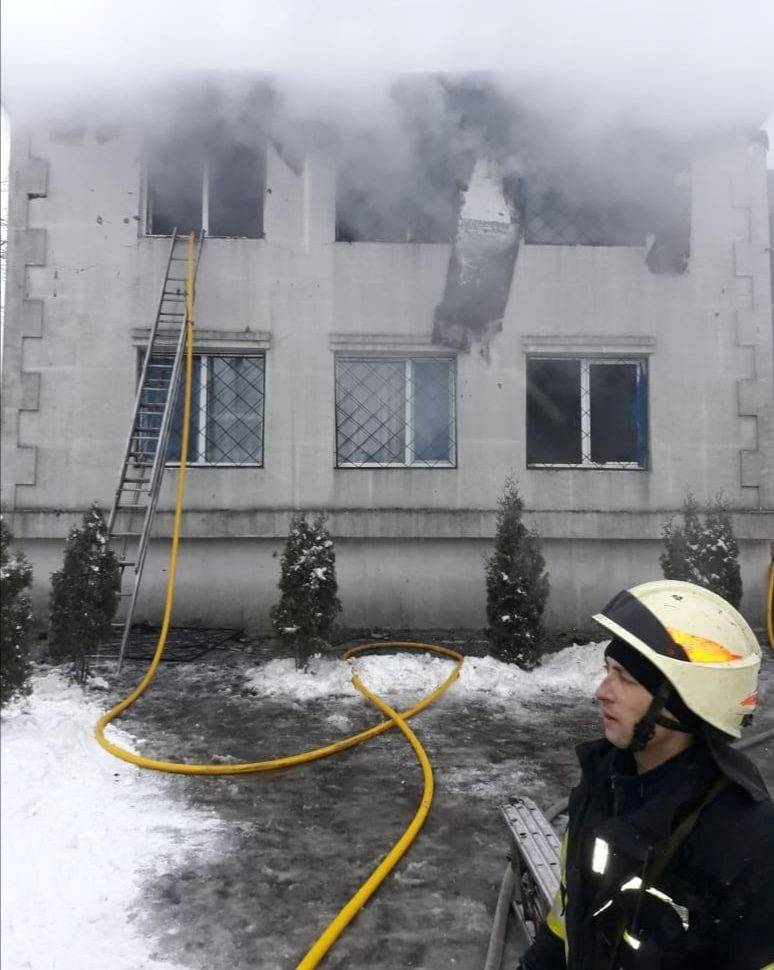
(703, 552)
(84, 594)
(516, 585)
(15, 619)
(306, 614)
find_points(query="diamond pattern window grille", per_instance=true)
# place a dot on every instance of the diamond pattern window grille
(395, 412)
(551, 219)
(587, 413)
(227, 412)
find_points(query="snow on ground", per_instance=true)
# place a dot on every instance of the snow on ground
(576, 669)
(79, 832)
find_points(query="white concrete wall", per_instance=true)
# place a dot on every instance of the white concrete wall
(83, 280)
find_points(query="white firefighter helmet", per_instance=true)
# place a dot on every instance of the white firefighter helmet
(702, 645)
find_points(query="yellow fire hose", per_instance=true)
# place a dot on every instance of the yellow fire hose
(395, 719)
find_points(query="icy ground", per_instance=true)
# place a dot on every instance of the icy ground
(104, 864)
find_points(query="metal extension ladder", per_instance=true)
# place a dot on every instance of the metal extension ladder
(531, 878)
(142, 469)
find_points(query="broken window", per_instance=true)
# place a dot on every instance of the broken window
(629, 188)
(551, 218)
(395, 412)
(401, 184)
(216, 186)
(227, 412)
(586, 413)
(392, 210)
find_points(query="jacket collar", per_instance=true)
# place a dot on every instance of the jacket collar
(663, 792)
(596, 757)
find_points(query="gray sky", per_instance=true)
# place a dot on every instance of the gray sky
(692, 64)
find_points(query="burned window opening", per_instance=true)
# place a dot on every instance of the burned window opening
(550, 219)
(214, 184)
(394, 214)
(633, 189)
(586, 413)
(400, 179)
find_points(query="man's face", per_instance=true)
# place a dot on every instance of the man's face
(623, 701)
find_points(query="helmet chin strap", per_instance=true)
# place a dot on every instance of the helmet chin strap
(645, 728)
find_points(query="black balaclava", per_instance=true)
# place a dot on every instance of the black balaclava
(664, 696)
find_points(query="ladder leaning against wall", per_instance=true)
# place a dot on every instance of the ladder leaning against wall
(142, 468)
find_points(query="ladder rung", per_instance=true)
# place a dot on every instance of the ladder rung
(122, 507)
(142, 481)
(126, 562)
(125, 535)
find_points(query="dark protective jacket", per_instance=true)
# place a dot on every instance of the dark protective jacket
(712, 905)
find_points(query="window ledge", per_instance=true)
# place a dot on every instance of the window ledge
(209, 341)
(387, 343)
(619, 345)
(425, 465)
(216, 464)
(208, 237)
(612, 466)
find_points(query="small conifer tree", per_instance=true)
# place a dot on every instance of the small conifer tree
(84, 594)
(15, 619)
(705, 553)
(308, 608)
(516, 585)
(721, 554)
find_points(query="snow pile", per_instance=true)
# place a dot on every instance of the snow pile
(80, 831)
(322, 678)
(576, 669)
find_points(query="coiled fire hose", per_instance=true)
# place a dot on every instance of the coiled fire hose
(394, 718)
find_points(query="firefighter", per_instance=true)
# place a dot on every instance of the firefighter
(668, 858)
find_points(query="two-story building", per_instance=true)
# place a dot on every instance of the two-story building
(389, 362)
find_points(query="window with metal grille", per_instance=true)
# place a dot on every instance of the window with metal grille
(227, 411)
(586, 412)
(395, 412)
